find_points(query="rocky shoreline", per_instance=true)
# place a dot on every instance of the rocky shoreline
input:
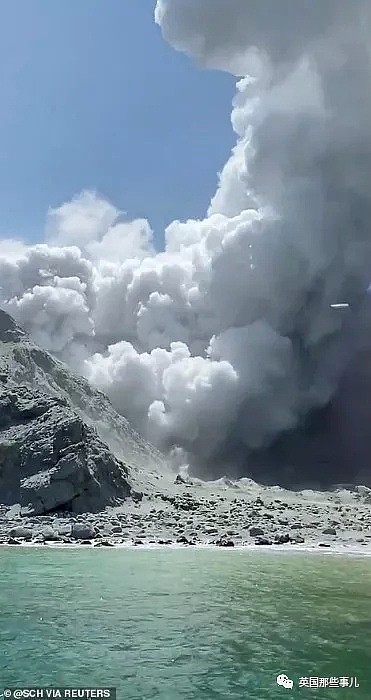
(193, 513)
(73, 472)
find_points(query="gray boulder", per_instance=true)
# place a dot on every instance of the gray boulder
(49, 535)
(329, 531)
(256, 531)
(21, 533)
(224, 542)
(282, 539)
(298, 539)
(263, 541)
(83, 531)
(64, 530)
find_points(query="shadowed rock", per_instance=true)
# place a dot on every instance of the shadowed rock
(51, 455)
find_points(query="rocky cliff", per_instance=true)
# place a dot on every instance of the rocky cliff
(62, 445)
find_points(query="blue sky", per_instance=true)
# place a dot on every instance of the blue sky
(92, 97)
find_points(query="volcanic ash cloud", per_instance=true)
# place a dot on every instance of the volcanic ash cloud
(226, 339)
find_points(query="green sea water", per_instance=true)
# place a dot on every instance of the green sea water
(185, 624)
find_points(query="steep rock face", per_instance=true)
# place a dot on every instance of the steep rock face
(49, 459)
(29, 365)
(51, 455)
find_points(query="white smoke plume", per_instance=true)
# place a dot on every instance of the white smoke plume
(227, 338)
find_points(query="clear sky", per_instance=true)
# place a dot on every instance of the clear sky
(92, 97)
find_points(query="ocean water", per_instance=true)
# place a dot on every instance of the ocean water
(185, 624)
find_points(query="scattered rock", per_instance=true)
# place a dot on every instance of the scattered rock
(329, 531)
(137, 496)
(64, 530)
(49, 535)
(11, 540)
(365, 493)
(179, 480)
(256, 531)
(38, 540)
(83, 531)
(223, 542)
(104, 543)
(182, 540)
(282, 539)
(324, 544)
(263, 541)
(22, 533)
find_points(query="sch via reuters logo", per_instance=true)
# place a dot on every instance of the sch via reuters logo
(59, 694)
(284, 681)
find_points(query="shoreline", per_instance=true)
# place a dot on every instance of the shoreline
(339, 550)
(240, 515)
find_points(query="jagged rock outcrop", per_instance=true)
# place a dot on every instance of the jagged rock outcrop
(51, 455)
(49, 459)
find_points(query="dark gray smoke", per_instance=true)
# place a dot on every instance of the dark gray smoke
(225, 348)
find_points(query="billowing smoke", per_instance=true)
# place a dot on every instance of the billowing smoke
(227, 339)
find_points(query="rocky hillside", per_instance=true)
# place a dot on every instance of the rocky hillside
(62, 445)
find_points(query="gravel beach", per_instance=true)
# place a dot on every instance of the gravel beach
(190, 512)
